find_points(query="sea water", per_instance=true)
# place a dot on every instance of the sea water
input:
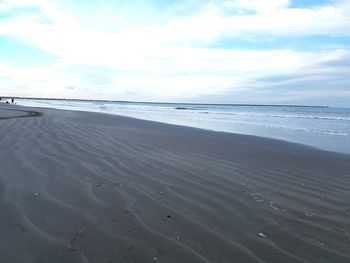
(327, 128)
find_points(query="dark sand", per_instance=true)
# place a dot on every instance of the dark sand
(88, 187)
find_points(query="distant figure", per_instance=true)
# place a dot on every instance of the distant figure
(0, 98)
(7, 102)
(13, 100)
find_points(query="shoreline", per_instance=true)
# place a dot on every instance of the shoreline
(309, 132)
(319, 148)
(80, 186)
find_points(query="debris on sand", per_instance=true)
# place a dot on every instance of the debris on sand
(20, 227)
(128, 248)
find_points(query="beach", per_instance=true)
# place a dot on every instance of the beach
(92, 187)
(326, 128)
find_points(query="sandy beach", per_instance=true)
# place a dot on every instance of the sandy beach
(89, 187)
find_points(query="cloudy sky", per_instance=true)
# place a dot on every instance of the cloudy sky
(228, 51)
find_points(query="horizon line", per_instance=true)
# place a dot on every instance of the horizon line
(149, 102)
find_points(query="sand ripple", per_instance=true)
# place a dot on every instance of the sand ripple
(86, 187)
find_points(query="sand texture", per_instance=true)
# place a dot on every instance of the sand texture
(95, 188)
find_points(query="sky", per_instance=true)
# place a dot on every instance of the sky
(205, 51)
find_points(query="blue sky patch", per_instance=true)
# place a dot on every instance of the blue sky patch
(16, 53)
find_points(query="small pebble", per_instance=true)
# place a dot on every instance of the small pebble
(308, 214)
(262, 235)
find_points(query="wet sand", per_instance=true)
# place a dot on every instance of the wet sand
(89, 187)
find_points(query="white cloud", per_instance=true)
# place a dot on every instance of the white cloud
(209, 26)
(257, 5)
(162, 62)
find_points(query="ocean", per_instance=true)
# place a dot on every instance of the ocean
(325, 128)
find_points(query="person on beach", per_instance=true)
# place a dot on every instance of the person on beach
(12, 100)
